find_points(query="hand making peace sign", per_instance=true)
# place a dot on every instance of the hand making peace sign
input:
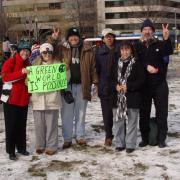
(165, 31)
(56, 33)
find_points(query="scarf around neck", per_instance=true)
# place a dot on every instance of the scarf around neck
(75, 52)
(121, 113)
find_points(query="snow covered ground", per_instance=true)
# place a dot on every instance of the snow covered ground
(96, 161)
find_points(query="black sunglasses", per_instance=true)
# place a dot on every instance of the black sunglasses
(47, 52)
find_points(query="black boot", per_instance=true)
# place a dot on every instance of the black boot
(12, 157)
(119, 148)
(23, 152)
(129, 150)
(143, 143)
(162, 144)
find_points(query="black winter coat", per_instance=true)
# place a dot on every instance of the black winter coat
(105, 58)
(134, 84)
(154, 55)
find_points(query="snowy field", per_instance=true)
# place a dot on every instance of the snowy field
(96, 161)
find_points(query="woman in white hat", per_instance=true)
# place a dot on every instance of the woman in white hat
(46, 109)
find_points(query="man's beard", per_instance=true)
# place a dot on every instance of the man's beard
(148, 37)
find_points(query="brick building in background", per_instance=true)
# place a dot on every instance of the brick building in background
(36, 18)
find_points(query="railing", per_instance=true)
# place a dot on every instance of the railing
(117, 38)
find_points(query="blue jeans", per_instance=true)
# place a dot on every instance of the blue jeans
(74, 112)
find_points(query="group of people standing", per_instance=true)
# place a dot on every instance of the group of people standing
(127, 77)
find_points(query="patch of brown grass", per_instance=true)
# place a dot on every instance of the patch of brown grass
(35, 171)
(140, 167)
(54, 165)
(57, 165)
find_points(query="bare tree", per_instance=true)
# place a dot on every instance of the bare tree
(31, 24)
(149, 11)
(156, 10)
(82, 14)
(152, 9)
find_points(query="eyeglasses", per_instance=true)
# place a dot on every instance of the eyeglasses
(109, 36)
(47, 52)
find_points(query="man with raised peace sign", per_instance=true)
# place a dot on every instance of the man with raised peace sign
(151, 53)
(79, 58)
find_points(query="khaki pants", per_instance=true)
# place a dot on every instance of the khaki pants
(46, 129)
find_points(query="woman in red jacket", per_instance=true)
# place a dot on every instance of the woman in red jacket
(15, 98)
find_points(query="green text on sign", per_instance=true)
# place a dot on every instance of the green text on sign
(47, 78)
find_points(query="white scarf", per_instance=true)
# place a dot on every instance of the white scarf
(122, 103)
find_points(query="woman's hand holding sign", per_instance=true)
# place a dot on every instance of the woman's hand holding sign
(25, 71)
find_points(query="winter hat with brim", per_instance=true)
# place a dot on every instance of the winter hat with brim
(72, 32)
(46, 47)
(14, 47)
(107, 31)
(24, 45)
(147, 23)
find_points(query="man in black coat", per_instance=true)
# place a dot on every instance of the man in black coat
(151, 53)
(106, 55)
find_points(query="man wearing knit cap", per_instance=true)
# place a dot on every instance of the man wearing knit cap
(151, 53)
(79, 58)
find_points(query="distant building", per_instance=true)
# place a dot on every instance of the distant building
(126, 16)
(36, 18)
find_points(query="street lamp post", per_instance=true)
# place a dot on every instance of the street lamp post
(36, 28)
(175, 28)
(1, 16)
